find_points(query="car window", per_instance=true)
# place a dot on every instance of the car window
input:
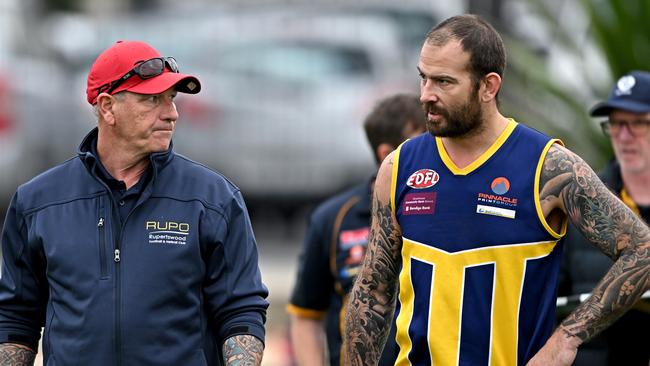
(301, 62)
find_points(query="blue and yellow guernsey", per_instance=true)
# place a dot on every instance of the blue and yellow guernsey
(479, 261)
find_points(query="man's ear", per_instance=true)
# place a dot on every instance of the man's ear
(490, 86)
(105, 105)
(383, 150)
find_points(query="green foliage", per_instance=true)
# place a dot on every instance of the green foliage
(618, 30)
(622, 30)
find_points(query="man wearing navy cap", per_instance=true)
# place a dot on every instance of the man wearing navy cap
(129, 254)
(627, 110)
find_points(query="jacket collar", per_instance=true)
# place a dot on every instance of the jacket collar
(158, 160)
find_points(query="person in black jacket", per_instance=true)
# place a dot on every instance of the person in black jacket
(336, 242)
(129, 254)
(628, 176)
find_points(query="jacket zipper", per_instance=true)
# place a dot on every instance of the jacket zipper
(118, 296)
(116, 258)
(118, 292)
(103, 271)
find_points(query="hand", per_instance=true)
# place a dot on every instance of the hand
(559, 350)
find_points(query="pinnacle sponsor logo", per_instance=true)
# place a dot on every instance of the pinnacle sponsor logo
(423, 178)
(167, 232)
(491, 198)
(500, 185)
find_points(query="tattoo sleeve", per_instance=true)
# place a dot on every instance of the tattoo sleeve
(16, 355)
(372, 300)
(612, 227)
(242, 350)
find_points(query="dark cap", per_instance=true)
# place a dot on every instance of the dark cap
(121, 58)
(631, 93)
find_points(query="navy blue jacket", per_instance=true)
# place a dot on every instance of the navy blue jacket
(165, 287)
(333, 251)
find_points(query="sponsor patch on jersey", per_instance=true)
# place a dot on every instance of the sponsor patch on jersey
(423, 178)
(419, 203)
(495, 211)
(350, 238)
(499, 187)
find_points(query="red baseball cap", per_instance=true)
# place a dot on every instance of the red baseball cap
(121, 58)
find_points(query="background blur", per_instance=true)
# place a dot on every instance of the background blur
(286, 85)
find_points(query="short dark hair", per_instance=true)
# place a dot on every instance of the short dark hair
(388, 119)
(478, 38)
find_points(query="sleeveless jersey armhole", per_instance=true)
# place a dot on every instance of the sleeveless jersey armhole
(538, 206)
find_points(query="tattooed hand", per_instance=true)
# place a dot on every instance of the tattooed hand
(16, 355)
(372, 300)
(242, 350)
(567, 183)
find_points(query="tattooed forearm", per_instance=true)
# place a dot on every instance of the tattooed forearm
(609, 225)
(372, 302)
(16, 355)
(242, 350)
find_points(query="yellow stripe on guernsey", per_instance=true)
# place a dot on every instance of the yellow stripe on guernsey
(393, 178)
(481, 159)
(538, 204)
(447, 286)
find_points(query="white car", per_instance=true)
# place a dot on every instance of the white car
(284, 92)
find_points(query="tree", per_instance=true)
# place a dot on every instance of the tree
(613, 39)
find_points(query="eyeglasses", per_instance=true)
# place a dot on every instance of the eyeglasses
(145, 70)
(637, 127)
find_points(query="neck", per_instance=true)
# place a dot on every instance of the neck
(120, 163)
(636, 185)
(466, 149)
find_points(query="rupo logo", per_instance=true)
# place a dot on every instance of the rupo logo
(423, 178)
(167, 232)
(168, 226)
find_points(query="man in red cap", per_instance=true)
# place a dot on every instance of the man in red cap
(128, 253)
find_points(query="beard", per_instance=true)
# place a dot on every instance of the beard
(456, 121)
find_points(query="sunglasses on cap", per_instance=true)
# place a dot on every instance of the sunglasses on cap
(145, 70)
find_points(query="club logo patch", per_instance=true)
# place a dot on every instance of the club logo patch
(624, 85)
(168, 232)
(423, 178)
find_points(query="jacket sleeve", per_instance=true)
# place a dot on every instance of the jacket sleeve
(23, 291)
(234, 290)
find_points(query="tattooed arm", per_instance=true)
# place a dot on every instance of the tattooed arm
(372, 300)
(567, 183)
(12, 354)
(242, 350)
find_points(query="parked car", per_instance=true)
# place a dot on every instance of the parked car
(284, 92)
(29, 112)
